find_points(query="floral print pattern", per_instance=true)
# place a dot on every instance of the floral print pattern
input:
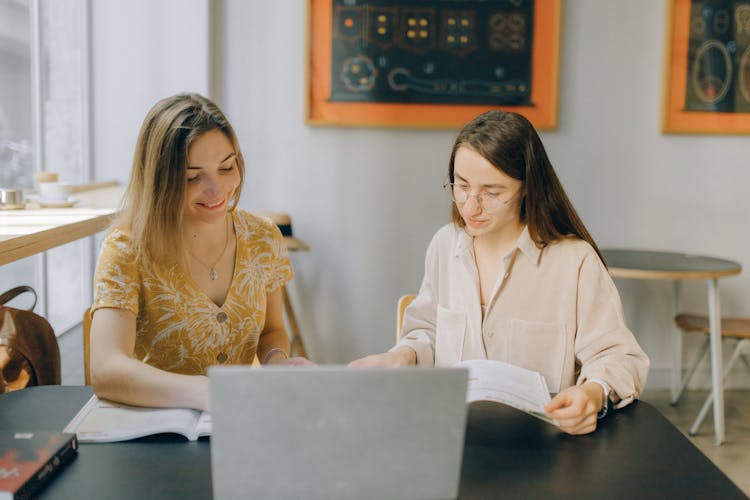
(178, 327)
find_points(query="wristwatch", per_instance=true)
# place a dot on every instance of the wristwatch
(607, 403)
(605, 408)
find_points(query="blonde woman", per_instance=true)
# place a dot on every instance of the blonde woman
(185, 280)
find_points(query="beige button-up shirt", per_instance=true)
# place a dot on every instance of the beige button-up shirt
(555, 310)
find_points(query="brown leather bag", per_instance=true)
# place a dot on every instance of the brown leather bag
(29, 354)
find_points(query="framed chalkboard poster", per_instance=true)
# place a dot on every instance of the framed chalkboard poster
(431, 63)
(707, 67)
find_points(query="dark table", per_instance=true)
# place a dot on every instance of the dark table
(635, 453)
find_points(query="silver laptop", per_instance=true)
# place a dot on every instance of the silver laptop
(334, 432)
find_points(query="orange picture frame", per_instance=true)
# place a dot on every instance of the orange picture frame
(684, 73)
(321, 110)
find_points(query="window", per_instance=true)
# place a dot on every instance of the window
(44, 126)
(15, 95)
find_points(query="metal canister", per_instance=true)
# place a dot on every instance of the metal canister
(11, 199)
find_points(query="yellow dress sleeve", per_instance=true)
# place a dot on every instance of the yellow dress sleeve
(280, 269)
(116, 281)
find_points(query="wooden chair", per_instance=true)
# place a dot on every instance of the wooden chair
(737, 329)
(403, 303)
(87, 347)
(86, 327)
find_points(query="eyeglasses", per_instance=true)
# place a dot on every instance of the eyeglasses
(460, 194)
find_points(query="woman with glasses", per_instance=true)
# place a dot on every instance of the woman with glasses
(516, 277)
(185, 279)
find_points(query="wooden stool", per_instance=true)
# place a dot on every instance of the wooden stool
(734, 328)
(284, 223)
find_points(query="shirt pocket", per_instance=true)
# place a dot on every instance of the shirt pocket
(449, 336)
(540, 347)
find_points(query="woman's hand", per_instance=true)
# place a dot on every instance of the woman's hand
(295, 361)
(403, 356)
(575, 408)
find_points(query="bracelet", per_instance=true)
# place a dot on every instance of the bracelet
(275, 349)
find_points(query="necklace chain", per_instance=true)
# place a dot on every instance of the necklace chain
(213, 274)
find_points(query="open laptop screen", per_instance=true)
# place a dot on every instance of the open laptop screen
(334, 432)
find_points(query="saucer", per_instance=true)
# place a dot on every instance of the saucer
(12, 206)
(57, 203)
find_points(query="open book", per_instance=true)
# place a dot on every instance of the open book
(523, 389)
(101, 421)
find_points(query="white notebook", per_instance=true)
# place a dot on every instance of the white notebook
(102, 421)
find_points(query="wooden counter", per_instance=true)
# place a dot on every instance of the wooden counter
(29, 231)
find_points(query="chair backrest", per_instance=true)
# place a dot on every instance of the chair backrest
(403, 303)
(87, 346)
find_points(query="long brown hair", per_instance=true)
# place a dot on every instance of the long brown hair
(510, 143)
(154, 202)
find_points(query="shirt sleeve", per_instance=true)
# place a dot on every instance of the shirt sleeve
(605, 347)
(116, 282)
(420, 316)
(280, 267)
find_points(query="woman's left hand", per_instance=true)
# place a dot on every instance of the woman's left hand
(575, 409)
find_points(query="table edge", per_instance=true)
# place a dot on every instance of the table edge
(628, 273)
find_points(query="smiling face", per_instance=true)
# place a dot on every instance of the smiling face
(475, 174)
(212, 178)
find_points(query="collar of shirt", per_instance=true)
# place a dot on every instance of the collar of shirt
(525, 244)
(528, 246)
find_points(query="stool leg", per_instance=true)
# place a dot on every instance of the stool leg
(676, 345)
(717, 360)
(691, 372)
(298, 347)
(743, 348)
(702, 414)
(747, 364)
(710, 399)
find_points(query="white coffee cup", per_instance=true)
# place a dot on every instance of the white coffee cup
(55, 191)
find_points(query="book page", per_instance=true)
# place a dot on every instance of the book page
(106, 421)
(512, 385)
(204, 425)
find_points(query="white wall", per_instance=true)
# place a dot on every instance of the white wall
(368, 200)
(142, 51)
(634, 186)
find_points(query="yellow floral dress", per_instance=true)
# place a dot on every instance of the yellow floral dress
(178, 327)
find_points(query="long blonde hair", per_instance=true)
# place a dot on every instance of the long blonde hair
(153, 207)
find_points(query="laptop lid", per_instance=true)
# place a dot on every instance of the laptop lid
(333, 432)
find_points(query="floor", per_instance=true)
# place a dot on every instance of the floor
(733, 457)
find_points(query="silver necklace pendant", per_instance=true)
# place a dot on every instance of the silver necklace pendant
(213, 274)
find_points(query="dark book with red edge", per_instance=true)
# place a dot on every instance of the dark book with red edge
(29, 460)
